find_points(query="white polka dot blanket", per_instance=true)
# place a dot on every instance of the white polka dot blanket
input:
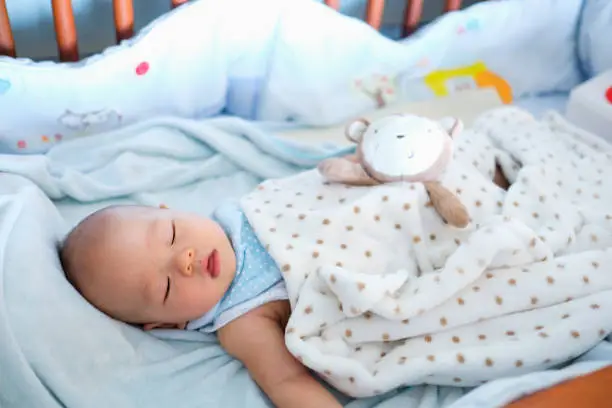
(384, 294)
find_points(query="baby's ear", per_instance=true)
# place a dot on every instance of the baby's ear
(452, 126)
(355, 130)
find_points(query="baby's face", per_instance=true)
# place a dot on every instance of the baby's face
(159, 266)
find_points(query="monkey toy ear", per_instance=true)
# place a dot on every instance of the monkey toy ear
(356, 129)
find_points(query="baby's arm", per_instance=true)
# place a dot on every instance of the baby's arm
(257, 339)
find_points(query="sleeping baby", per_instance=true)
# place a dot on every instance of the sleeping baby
(161, 268)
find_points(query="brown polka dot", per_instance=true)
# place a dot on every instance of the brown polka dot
(460, 301)
(550, 280)
(385, 336)
(398, 226)
(356, 210)
(339, 264)
(432, 237)
(457, 379)
(428, 204)
(352, 379)
(595, 264)
(543, 335)
(427, 339)
(289, 247)
(516, 204)
(405, 321)
(510, 333)
(397, 310)
(368, 315)
(499, 300)
(518, 363)
(343, 246)
(315, 254)
(348, 333)
(377, 218)
(443, 321)
(295, 235)
(476, 288)
(565, 316)
(368, 254)
(457, 242)
(460, 358)
(458, 191)
(326, 222)
(594, 238)
(575, 334)
(538, 327)
(482, 337)
(532, 243)
(286, 268)
(332, 278)
(594, 306)
(488, 362)
(327, 372)
(431, 357)
(290, 330)
(534, 300)
(355, 311)
(406, 207)
(602, 332)
(478, 203)
(319, 197)
(349, 227)
(460, 271)
(402, 360)
(585, 279)
(416, 239)
(308, 310)
(512, 282)
(341, 200)
(500, 204)
(456, 339)
(535, 215)
(272, 229)
(361, 286)
(385, 198)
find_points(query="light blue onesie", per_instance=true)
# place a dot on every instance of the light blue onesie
(258, 280)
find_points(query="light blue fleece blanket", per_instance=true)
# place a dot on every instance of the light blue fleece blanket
(56, 350)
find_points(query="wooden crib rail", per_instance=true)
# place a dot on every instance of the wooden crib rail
(123, 10)
(7, 42)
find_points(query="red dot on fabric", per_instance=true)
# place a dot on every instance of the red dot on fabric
(58, 137)
(21, 144)
(142, 68)
(609, 94)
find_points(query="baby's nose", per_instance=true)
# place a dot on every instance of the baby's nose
(187, 258)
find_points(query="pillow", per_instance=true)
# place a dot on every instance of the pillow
(57, 350)
(595, 37)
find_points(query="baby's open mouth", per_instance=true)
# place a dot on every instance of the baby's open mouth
(213, 264)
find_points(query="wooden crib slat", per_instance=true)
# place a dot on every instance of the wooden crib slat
(7, 42)
(374, 13)
(65, 30)
(176, 3)
(335, 4)
(412, 17)
(452, 5)
(124, 19)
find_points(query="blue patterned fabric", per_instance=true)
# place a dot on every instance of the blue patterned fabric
(258, 279)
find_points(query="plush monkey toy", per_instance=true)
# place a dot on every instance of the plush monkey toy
(402, 148)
